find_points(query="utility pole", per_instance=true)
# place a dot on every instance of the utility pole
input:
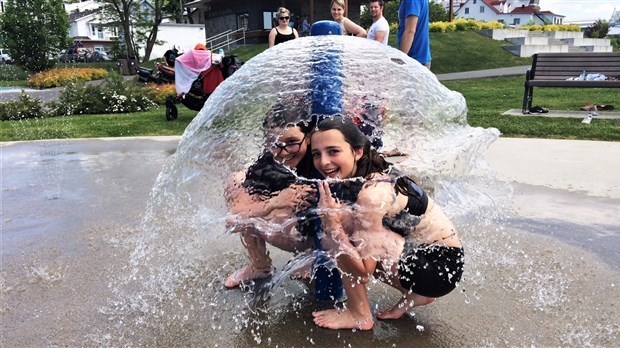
(451, 11)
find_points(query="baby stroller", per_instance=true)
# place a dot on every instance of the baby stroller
(197, 76)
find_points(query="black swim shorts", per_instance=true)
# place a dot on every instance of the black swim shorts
(430, 270)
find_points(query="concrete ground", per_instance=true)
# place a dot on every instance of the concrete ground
(70, 211)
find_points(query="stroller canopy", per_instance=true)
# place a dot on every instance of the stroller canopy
(187, 68)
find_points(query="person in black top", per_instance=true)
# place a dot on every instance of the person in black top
(282, 32)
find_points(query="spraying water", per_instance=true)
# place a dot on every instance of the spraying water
(164, 286)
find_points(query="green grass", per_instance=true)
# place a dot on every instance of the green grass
(149, 123)
(467, 51)
(20, 83)
(248, 51)
(487, 99)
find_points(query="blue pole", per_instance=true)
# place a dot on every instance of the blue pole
(327, 93)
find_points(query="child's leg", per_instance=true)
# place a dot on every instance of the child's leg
(355, 315)
(408, 301)
(260, 262)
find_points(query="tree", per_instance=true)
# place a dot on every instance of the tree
(137, 27)
(34, 31)
(120, 12)
(598, 29)
(437, 12)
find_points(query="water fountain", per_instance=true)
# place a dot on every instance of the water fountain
(159, 282)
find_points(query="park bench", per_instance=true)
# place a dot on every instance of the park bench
(556, 70)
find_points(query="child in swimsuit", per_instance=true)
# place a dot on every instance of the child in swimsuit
(392, 230)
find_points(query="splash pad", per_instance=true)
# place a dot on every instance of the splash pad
(159, 282)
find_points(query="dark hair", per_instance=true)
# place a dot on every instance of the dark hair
(171, 56)
(381, 2)
(371, 161)
(289, 110)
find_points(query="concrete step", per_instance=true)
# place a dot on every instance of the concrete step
(529, 50)
(587, 42)
(596, 48)
(564, 34)
(530, 40)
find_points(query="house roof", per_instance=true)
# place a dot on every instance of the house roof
(532, 10)
(492, 3)
(489, 3)
(73, 16)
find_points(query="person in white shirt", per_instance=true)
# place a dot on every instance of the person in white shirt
(380, 28)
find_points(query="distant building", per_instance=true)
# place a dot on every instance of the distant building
(257, 17)
(508, 12)
(615, 18)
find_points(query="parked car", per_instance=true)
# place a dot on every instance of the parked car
(101, 56)
(79, 54)
(4, 56)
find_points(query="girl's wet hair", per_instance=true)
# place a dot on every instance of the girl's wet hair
(371, 161)
(288, 111)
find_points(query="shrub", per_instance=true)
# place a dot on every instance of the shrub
(159, 93)
(12, 73)
(467, 24)
(25, 107)
(551, 27)
(64, 77)
(114, 95)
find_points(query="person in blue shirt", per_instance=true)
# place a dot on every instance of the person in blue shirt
(413, 37)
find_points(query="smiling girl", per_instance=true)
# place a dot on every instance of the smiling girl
(392, 230)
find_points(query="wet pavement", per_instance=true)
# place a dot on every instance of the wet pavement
(70, 209)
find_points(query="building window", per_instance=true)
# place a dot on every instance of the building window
(481, 9)
(269, 20)
(242, 21)
(466, 10)
(516, 21)
(474, 2)
(501, 21)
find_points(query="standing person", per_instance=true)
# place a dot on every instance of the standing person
(348, 26)
(282, 32)
(388, 227)
(412, 34)
(380, 28)
(305, 25)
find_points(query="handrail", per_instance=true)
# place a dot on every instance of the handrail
(225, 39)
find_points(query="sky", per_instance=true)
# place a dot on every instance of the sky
(581, 9)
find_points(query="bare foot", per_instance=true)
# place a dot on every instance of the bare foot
(405, 304)
(341, 319)
(245, 275)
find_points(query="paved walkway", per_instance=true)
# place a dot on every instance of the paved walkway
(479, 74)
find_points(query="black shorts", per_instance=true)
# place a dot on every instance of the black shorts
(430, 270)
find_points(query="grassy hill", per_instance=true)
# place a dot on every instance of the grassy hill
(452, 52)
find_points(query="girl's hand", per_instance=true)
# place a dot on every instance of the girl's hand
(329, 208)
(295, 198)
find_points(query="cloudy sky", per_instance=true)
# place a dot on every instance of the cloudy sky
(581, 9)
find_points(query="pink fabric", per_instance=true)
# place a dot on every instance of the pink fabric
(188, 66)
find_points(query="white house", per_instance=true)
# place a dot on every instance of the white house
(509, 12)
(87, 28)
(91, 31)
